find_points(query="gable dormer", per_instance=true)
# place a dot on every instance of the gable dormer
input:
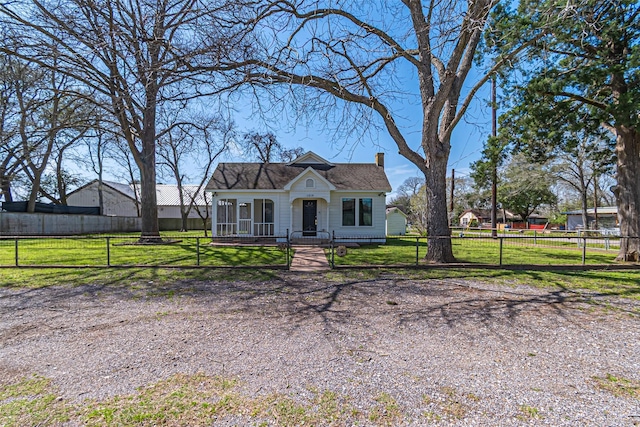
(309, 184)
(309, 180)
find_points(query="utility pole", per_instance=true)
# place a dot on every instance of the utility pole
(494, 172)
(595, 200)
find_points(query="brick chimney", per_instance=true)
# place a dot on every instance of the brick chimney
(380, 160)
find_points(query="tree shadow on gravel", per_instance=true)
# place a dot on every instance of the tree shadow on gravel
(312, 297)
(452, 302)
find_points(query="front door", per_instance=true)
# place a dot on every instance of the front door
(309, 217)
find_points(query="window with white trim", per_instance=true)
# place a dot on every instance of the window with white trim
(263, 217)
(226, 217)
(348, 212)
(360, 209)
(365, 212)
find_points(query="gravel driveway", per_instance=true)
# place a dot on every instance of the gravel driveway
(449, 352)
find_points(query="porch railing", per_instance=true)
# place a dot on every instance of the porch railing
(226, 229)
(244, 226)
(263, 229)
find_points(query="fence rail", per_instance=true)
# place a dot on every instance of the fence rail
(479, 248)
(113, 250)
(275, 251)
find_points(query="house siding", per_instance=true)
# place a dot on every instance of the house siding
(378, 229)
(466, 219)
(299, 188)
(174, 212)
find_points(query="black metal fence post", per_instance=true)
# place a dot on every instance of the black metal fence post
(333, 249)
(16, 251)
(417, 250)
(288, 250)
(584, 249)
(501, 240)
(198, 251)
(108, 251)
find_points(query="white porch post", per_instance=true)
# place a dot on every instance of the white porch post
(328, 225)
(214, 216)
(290, 217)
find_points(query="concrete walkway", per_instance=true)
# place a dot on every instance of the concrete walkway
(308, 259)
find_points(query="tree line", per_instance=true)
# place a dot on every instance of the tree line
(525, 187)
(570, 70)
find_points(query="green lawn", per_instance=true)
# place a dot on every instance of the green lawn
(186, 251)
(402, 251)
(122, 250)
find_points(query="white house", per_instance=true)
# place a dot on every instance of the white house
(478, 217)
(396, 222)
(607, 218)
(308, 197)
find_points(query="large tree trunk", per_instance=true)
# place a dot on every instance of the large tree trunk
(628, 192)
(148, 199)
(439, 248)
(185, 221)
(147, 165)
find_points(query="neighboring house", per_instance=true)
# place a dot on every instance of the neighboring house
(537, 222)
(607, 218)
(396, 222)
(309, 197)
(474, 217)
(117, 199)
(482, 217)
(120, 200)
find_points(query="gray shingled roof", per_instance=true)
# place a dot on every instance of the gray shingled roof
(274, 176)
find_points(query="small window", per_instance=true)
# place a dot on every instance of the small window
(310, 183)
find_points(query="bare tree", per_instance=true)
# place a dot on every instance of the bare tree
(202, 209)
(10, 153)
(265, 146)
(101, 151)
(361, 56)
(136, 56)
(195, 148)
(290, 154)
(580, 168)
(50, 119)
(128, 169)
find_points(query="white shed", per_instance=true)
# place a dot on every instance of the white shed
(396, 222)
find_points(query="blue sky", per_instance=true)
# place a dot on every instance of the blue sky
(466, 143)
